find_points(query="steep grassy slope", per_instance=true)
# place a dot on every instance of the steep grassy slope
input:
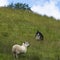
(17, 26)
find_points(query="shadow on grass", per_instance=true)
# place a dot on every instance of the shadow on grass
(28, 57)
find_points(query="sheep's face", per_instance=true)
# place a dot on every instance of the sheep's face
(26, 44)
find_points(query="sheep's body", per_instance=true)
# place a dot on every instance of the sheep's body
(18, 49)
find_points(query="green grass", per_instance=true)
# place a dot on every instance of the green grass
(17, 26)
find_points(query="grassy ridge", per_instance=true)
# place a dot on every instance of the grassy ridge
(17, 26)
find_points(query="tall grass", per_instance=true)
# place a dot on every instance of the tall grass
(17, 26)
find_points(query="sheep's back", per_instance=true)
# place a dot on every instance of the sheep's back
(19, 49)
(16, 48)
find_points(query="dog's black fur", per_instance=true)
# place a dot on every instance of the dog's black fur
(40, 35)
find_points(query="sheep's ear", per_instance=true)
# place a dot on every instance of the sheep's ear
(24, 42)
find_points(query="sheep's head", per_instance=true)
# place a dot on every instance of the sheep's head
(26, 44)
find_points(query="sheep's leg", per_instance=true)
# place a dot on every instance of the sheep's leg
(16, 56)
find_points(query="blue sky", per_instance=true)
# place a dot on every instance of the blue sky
(42, 7)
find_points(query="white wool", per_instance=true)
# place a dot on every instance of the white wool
(17, 49)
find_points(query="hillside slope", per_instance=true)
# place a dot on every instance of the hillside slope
(17, 26)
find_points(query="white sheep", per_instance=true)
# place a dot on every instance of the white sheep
(18, 49)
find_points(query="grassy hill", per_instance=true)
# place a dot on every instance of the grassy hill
(17, 26)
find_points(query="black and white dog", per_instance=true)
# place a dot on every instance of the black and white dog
(39, 35)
